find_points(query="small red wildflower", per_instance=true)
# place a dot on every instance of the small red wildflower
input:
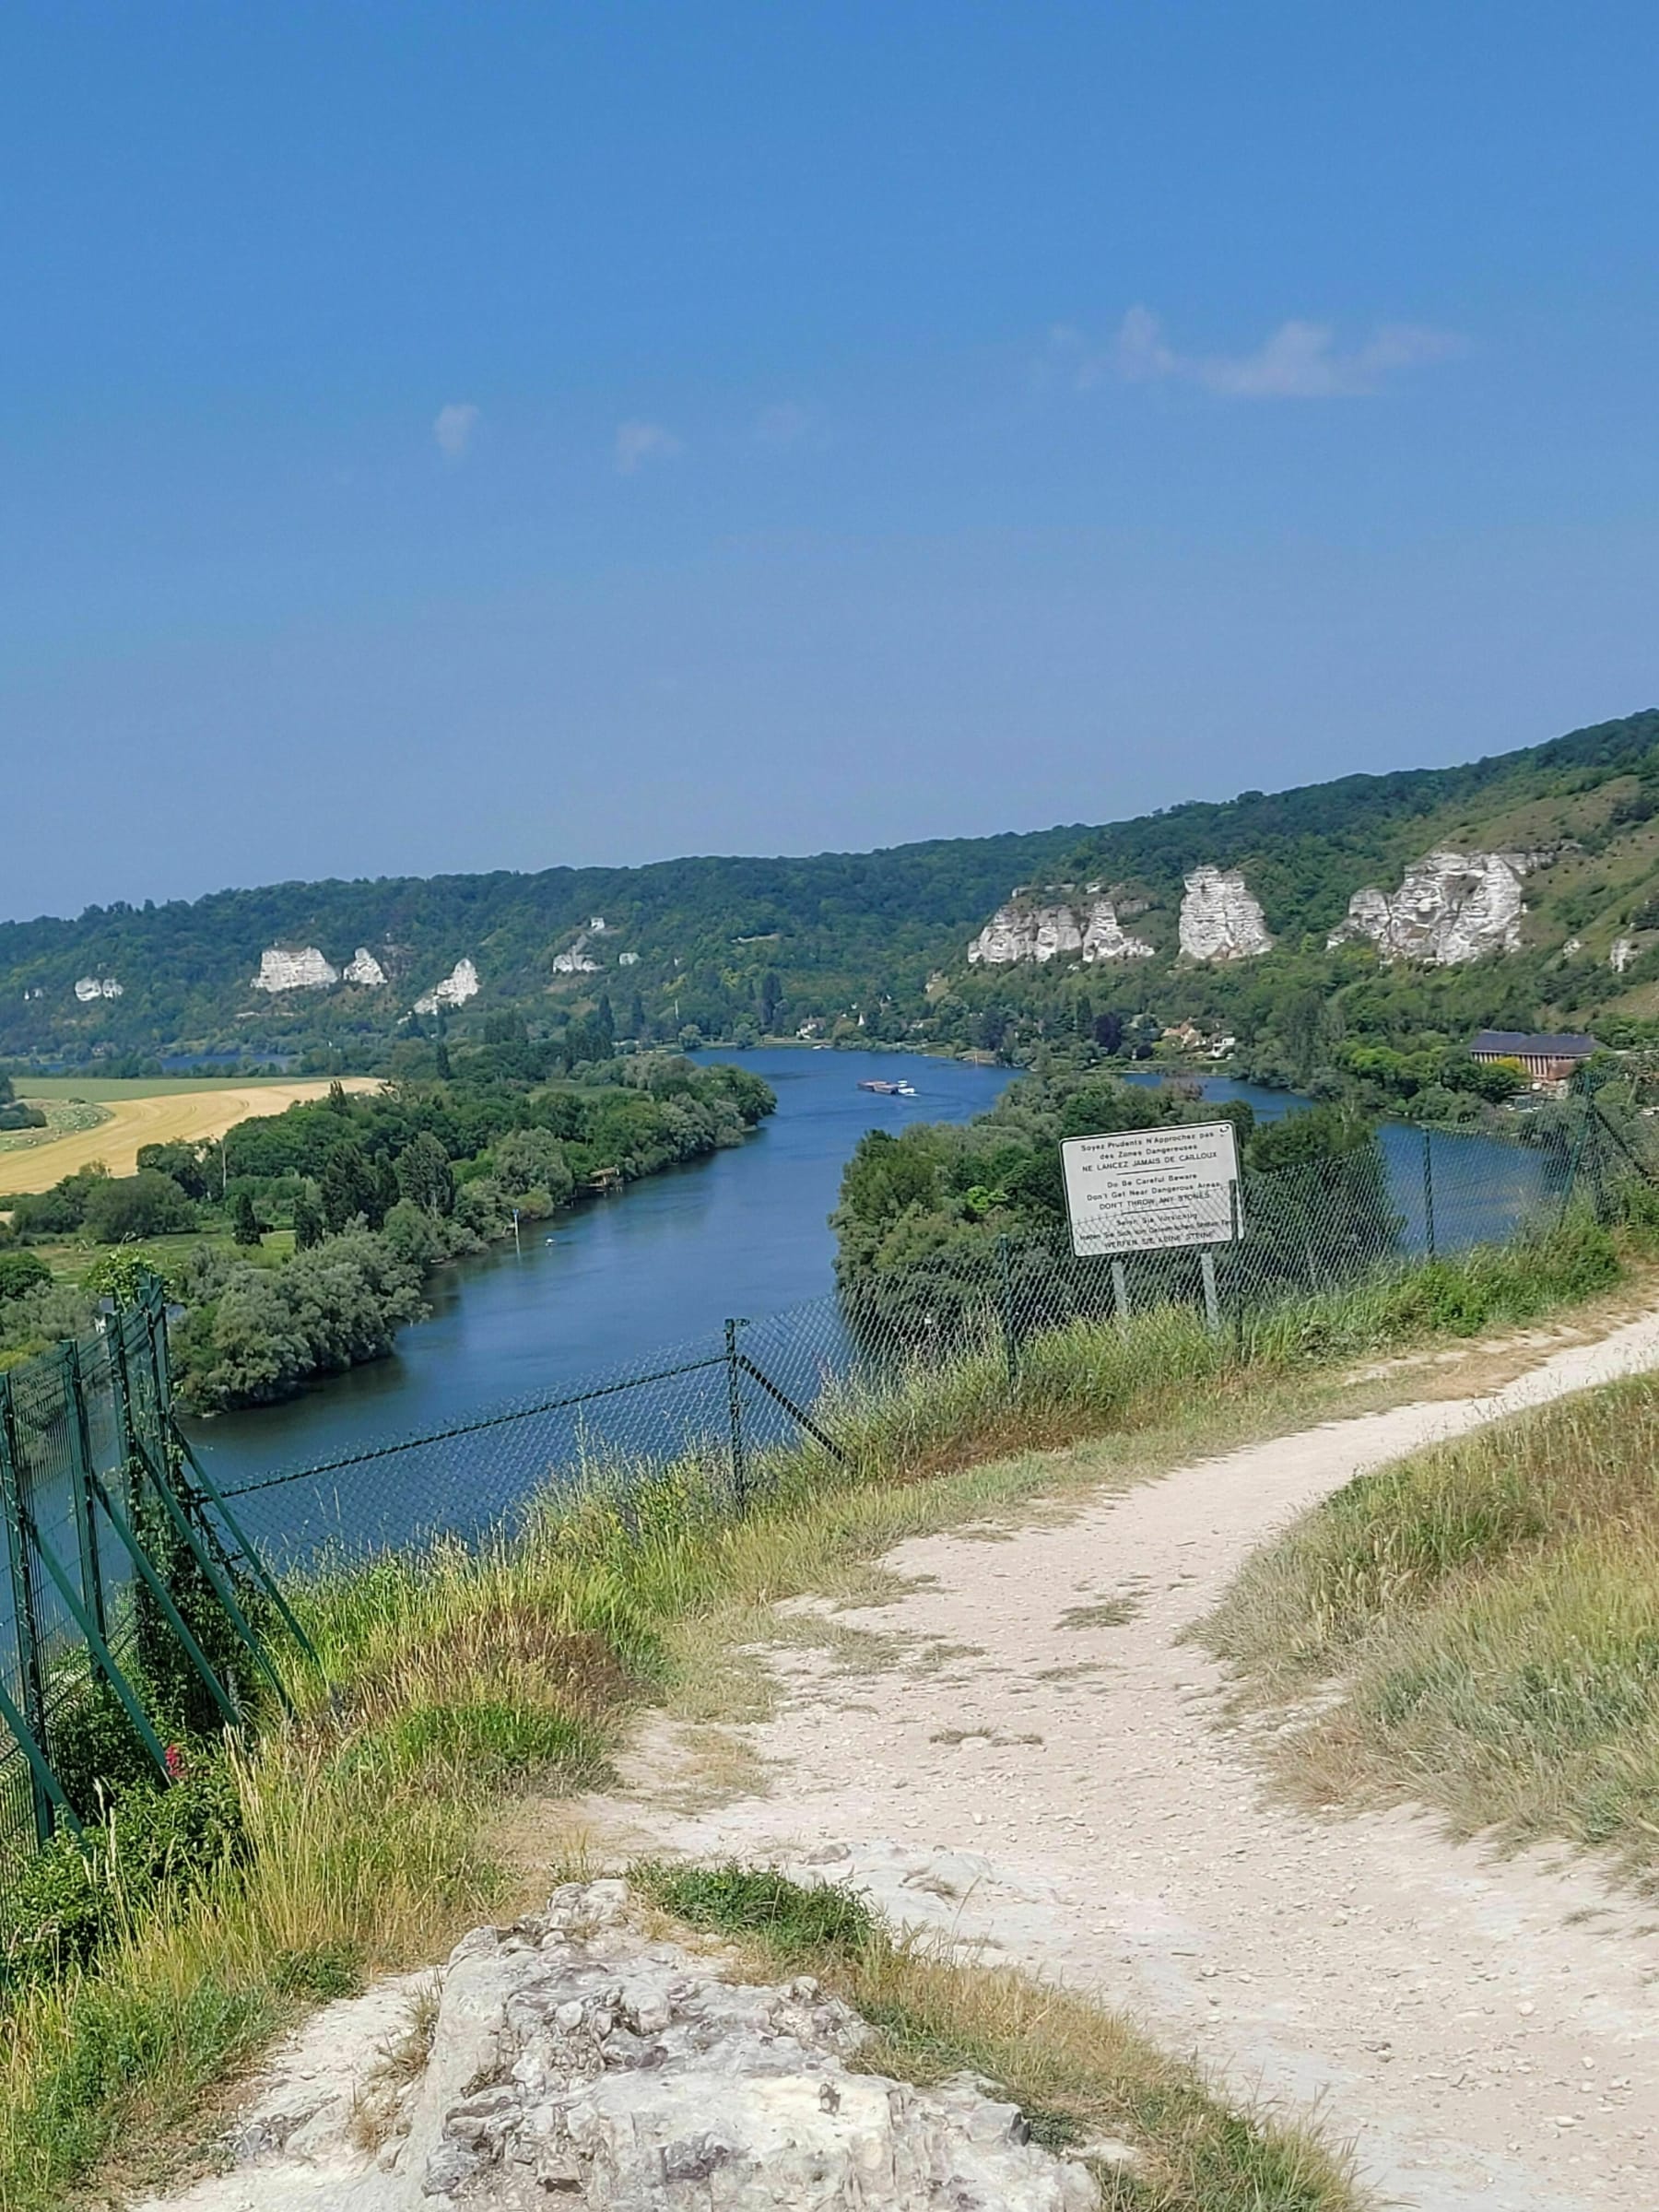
(175, 1762)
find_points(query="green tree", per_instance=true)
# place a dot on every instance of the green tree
(244, 1222)
(425, 1176)
(309, 1229)
(351, 1187)
(145, 1205)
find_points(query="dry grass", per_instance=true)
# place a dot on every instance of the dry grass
(1489, 1613)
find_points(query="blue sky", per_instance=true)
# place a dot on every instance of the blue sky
(440, 438)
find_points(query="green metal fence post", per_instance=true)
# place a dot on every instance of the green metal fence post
(1429, 1193)
(86, 1521)
(1010, 1333)
(31, 1676)
(735, 1416)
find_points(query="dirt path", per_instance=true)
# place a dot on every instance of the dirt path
(1486, 2033)
(163, 1117)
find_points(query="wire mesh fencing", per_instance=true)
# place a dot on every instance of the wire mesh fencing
(88, 1438)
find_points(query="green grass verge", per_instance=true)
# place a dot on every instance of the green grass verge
(1491, 1610)
(458, 1677)
(1078, 2073)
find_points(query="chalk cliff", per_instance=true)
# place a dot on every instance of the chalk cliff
(1221, 919)
(284, 968)
(364, 970)
(97, 986)
(1451, 906)
(576, 959)
(460, 985)
(1037, 926)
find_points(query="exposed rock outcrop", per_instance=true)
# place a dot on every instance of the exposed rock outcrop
(1221, 918)
(364, 970)
(1451, 906)
(575, 959)
(574, 2062)
(460, 985)
(1039, 924)
(282, 968)
(90, 987)
(1623, 952)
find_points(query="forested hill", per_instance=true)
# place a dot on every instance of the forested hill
(715, 945)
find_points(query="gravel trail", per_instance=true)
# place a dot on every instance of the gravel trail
(1485, 2032)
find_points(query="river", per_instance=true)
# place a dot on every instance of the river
(743, 1232)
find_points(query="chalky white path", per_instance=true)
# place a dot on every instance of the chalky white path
(1485, 2032)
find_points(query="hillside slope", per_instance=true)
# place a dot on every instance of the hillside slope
(712, 943)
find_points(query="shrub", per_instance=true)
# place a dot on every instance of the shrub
(21, 1271)
(147, 1205)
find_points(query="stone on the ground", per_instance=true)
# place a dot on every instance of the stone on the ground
(576, 2062)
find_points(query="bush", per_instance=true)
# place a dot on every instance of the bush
(152, 1851)
(147, 1205)
(21, 1271)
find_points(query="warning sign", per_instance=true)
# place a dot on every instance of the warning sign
(1148, 1190)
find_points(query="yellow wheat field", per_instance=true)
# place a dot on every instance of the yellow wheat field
(156, 1120)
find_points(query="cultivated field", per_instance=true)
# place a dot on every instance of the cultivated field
(145, 1114)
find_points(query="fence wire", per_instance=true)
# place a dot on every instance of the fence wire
(1400, 1199)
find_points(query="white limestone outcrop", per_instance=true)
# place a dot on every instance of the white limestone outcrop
(460, 985)
(363, 969)
(575, 959)
(1040, 924)
(576, 2061)
(1451, 906)
(285, 968)
(1221, 918)
(628, 959)
(90, 987)
(1622, 954)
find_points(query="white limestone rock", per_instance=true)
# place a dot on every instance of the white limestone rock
(1037, 926)
(1622, 954)
(363, 969)
(1221, 918)
(575, 959)
(90, 987)
(628, 959)
(1451, 906)
(575, 2062)
(460, 985)
(283, 967)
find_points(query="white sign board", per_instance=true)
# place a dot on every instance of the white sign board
(1147, 1190)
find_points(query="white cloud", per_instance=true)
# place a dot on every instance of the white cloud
(1299, 361)
(637, 442)
(453, 427)
(783, 424)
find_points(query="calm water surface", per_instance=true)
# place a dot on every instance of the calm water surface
(741, 1232)
(744, 1232)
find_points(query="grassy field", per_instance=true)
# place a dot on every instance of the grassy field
(1490, 1610)
(461, 1682)
(148, 1115)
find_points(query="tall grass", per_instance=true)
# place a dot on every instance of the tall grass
(456, 1675)
(1491, 1611)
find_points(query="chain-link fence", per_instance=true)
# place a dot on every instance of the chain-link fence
(88, 1433)
(127, 1608)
